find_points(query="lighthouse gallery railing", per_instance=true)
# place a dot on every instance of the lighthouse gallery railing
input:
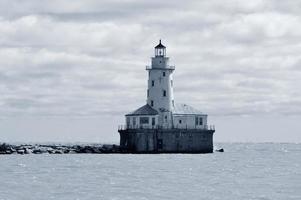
(125, 127)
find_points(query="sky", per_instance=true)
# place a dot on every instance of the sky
(71, 70)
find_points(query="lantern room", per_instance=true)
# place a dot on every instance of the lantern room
(160, 50)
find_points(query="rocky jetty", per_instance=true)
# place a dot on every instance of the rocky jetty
(58, 149)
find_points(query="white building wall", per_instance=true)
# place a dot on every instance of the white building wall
(158, 83)
(160, 89)
(134, 121)
(189, 121)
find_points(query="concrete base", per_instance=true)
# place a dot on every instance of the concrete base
(166, 140)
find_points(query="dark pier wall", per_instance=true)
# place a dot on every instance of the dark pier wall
(166, 140)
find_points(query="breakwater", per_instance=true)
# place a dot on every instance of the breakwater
(59, 149)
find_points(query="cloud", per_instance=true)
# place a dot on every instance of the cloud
(88, 58)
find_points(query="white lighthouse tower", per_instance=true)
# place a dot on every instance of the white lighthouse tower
(160, 86)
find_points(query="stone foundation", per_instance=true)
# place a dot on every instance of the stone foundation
(166, 140)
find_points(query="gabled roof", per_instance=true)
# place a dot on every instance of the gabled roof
(184, 109)
(144, 110)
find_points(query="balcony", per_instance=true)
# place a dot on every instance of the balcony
(166, 68)
(147, 127)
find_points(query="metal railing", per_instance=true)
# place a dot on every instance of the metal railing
(168, 68)
(125, 127)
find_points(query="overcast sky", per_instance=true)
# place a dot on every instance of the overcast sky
(70, 70)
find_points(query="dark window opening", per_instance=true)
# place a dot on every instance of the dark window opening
(163, 73)
(201, 121)
(153, 83)
(160, 143)
(143, 120)
(196, 121)
(153, 121)
(180, 121)
(164, 93)
(152, 103)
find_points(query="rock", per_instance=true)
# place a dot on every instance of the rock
(21, 151)
(59, 149)
(58, 152)
(36, 151)
(50, 151)
(27, 151)
(8, 152)
(6, 149)
(72, 151)
(87, 150)
(3, 147)
(77, 149)
(219, 150)
(66, 150)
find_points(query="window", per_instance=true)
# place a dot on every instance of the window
(153, 83)
(152, 103)
(196, 121)
(201, 121)
(134, 121)
(163, 73)
(153, 121)
(144, 120)
(164, 93)
(180, 121)
(128, 121)
(165, 118)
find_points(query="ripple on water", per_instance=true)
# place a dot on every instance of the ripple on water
(244, 171)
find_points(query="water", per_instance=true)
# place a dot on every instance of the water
(243, 171)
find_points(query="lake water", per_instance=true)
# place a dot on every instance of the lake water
(243, 171)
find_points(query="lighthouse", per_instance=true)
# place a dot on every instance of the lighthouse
(163, 125)
(160, 86)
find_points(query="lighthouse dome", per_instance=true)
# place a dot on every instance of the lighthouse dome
(160, 46)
